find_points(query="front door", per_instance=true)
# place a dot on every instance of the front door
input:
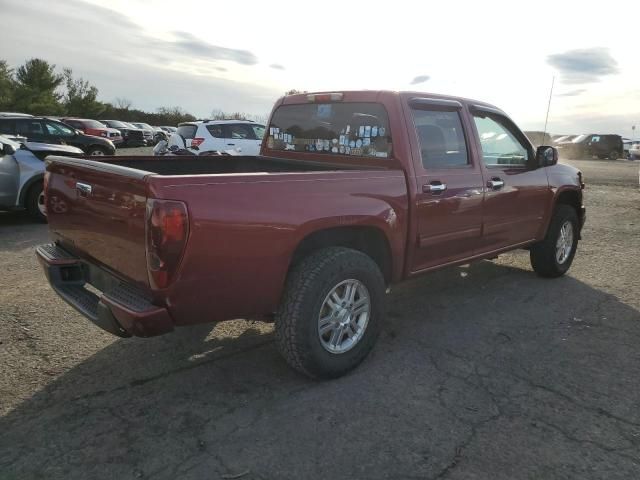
(59, 133)
(517, 193)
(449, 190)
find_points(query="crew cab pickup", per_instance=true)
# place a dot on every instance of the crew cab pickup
(353, 191)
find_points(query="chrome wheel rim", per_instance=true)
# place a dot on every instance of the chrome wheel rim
(344, 316)
(564, 245)
(41, 204)
(96, 153)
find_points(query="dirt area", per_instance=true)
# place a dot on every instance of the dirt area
(483, 371)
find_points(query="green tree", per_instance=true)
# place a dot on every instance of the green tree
(36, 84)
(7, 86)
(80, 98)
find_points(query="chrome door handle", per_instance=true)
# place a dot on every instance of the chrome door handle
(83, 188)
(434, 188)
(495, 184)
(230, 143)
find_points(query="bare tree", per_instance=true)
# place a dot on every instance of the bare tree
(122, 103)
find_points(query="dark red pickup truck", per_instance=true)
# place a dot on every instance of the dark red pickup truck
(353, 191)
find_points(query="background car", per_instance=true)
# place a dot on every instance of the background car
(159, 134)
(243, 136)
(634, 150)
(22, 173)
(46, 130)
(169, 129)
(147, 131)
(593, 145)
(94, 127)
(131, 136)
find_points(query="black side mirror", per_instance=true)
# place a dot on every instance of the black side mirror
(546, 156)
(7, 149)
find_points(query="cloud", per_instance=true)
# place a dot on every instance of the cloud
(276, 66)
(571, 93)
(191, 45)
(420, 79)
(584, 65)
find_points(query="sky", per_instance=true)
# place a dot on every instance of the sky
(242, 56)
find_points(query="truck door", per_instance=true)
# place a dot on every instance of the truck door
(449, 184)
(517, 193)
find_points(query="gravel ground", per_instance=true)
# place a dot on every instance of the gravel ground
(483, 371)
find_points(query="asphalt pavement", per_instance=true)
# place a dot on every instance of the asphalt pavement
(482, 372)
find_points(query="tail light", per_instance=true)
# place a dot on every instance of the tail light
(167, 229)
(196, 142)
(325, 97)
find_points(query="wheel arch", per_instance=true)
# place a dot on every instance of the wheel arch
(370, 240)
(24, 190)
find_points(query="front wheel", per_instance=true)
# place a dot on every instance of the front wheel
(97, 151)
(553, 256)
(330, 315)
(614, 155)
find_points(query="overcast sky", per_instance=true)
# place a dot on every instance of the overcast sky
(241, 56)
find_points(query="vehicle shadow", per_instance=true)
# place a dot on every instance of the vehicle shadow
(486, 368)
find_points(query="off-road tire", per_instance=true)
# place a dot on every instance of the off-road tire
(543, 254)
(32, 202)
(307, 285)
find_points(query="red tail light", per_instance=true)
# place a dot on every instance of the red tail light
(195, 142)
(167, 232)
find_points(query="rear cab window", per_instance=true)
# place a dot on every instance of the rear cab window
(351, 129)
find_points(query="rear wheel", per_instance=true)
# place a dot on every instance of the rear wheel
(613, 155)
(35, 202)
(330, 315)
(553, 256)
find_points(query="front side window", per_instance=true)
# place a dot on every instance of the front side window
(442, 143)
(350, 128)
(500, 147)
(239, 131)
(216, 131)
(59, 130)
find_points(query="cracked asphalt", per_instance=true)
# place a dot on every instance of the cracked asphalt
(482, 372)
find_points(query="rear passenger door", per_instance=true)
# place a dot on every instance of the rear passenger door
(32, 129)
(240, 136)
(449, 185)
(517, 191)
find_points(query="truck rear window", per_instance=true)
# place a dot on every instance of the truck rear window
(355, 129)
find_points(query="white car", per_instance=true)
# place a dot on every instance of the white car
(634, 150)
(243, 136)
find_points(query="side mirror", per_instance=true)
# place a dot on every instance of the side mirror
(546, 156)
(7, 149)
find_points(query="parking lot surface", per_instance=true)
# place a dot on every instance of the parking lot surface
(482, 372)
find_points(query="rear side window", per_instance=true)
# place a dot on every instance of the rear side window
(7, 126)
(29, 127)
(356, 129)
(442, 143)
(187, 131)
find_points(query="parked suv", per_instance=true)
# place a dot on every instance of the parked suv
(244, 136)
(46, 130)
(147, 130)
(94, 127)
(593, 145)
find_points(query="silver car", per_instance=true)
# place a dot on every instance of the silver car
(22, 174)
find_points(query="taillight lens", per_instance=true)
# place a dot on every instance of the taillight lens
(166, 237)
(196, 142)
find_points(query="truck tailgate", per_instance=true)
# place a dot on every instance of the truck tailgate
(97, 211)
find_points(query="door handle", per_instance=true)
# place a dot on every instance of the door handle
(232, 144)
(434, 188)
(495, 183)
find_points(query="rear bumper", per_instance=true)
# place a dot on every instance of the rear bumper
(113, 305)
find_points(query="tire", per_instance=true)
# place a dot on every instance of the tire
(97, 151)
(613, 155)
(544, 255)
(307, 290)
(34, 201)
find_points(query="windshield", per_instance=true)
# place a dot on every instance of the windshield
(355, 129)
(93, 124)
(579, 138)
(116, 124)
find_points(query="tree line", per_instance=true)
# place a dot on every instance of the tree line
(39, 89)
